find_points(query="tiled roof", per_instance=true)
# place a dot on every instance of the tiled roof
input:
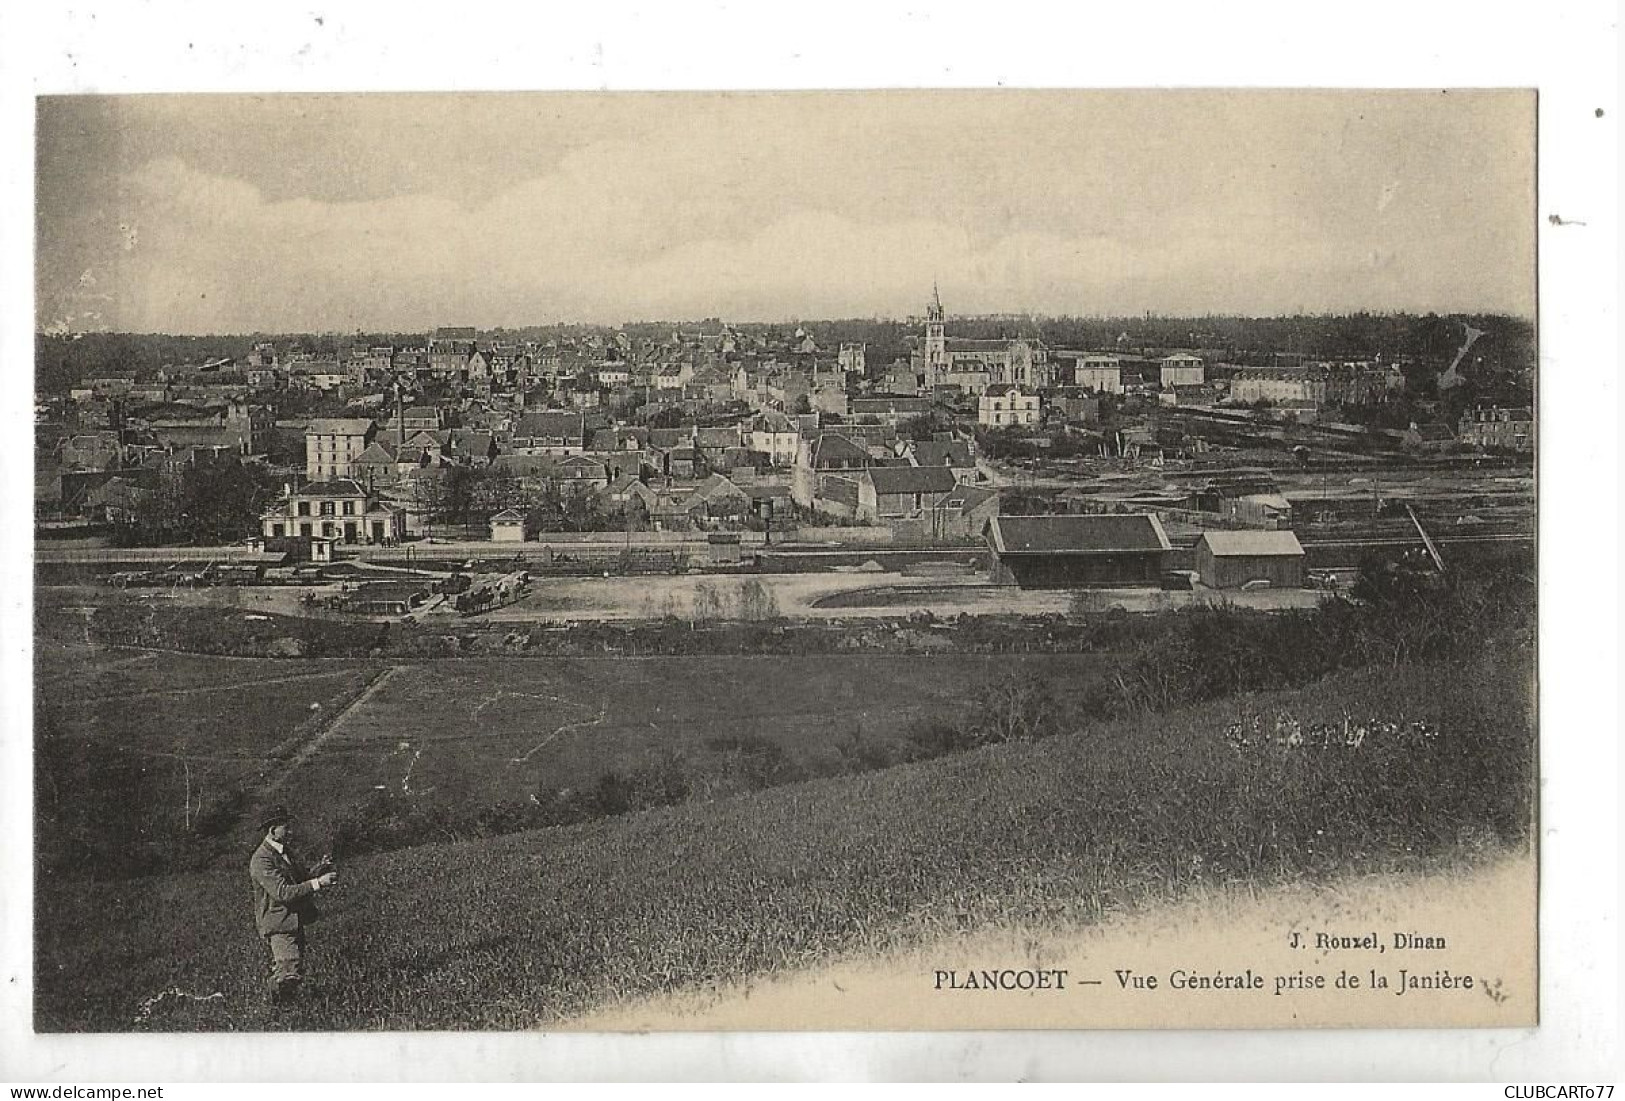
(966, 497)
(338, 487)
(942, 453)
(911, 479)
(571, 425)
(830, 448)
(717, 437)
(1078, 534)
(379, 451)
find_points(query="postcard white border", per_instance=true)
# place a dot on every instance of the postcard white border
(1566, 51)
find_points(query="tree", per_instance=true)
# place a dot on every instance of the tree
(206, 504)
(924, 427)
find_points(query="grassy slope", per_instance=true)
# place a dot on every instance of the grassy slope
(538, 926)
(543, 924)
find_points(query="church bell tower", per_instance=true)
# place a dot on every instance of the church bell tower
(936, 341)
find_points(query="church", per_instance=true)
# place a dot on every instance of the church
(973, 365)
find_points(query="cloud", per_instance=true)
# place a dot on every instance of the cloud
(718, 211)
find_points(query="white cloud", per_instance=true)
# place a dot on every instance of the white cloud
(699, 214)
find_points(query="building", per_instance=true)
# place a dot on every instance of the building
(776, 436)
(1204, 396)
(1007, 405)
(1182, 369)
(550, 433)
(1081, 406)
(1277, 384)
(1506, 429)
(1428, 438)
(628, 495)
(901, 492)
(957, 455)
(92, 451)
(852, 358)
(971, 364)
(376, 465)
(450, 350)
(827, 467)
(1231, 559)
(334, 445)
(508, 526)
(422, 418)
(716, 499)
(1101, 373)
(1359, 383)
(899, 378)
(338, 509)
(964, 512)
(1069, 552)
(830, 399)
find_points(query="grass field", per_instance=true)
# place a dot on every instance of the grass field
(134, 747)
(540, 926)
(164, 737)
(492, 730)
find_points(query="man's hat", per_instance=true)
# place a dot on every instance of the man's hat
(274, 816)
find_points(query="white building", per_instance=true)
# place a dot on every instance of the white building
(1182, 369)
(1100, 373)
(334, 444)
(776, 436)
(1006, 404)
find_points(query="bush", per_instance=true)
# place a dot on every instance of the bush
(935, 737)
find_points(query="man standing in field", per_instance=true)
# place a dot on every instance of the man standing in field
(284, 902)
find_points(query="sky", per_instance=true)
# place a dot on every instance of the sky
(301, 213)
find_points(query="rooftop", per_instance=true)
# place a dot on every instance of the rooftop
(338, 487)
(1078, 534)
(912, 479)
(1252, 544)
(339, 426)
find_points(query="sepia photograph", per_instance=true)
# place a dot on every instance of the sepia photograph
(785, 560)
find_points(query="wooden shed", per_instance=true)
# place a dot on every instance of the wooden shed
(1230, 559)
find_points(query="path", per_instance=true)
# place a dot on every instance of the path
(325, 733)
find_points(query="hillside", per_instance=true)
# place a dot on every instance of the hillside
(1379, 770)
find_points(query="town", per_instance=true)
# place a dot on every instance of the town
(900, 463)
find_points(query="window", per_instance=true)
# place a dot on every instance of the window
(349, 508)
(304, 507)
(327, 508)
